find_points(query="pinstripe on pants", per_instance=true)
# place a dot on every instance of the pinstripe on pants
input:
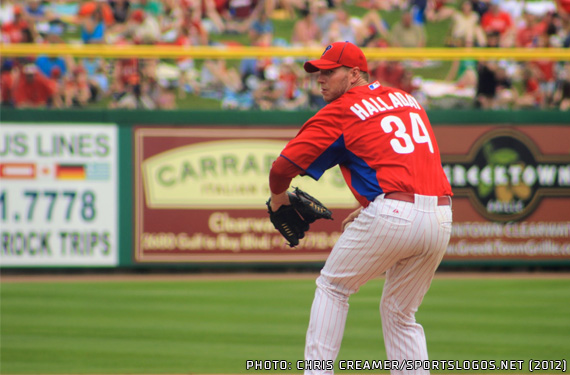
(405, 240)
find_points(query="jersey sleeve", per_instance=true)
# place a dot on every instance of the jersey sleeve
(319, 145)
(281, 173)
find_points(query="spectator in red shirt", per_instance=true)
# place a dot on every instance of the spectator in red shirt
(7, 83)
(528, 34)
(496, 20)
(76, 92)
(388, 73)
(33, 89)
(14, 32)
(531, 96)
(544, 70)
(563, 7)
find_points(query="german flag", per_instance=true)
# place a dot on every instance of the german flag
(70, 172)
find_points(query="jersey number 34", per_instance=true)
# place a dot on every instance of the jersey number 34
(402, 142)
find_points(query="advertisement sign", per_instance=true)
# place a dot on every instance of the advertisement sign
(200, 196)
(58, 195)
(511, 191)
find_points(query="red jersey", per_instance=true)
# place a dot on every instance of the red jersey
(564, 5)
(36, 92)
(499, 22)
(382, 139)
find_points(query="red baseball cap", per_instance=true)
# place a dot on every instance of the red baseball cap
(338, 54)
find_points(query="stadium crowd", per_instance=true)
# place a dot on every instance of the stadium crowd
(276, 83)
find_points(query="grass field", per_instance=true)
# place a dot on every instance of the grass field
(214, 326)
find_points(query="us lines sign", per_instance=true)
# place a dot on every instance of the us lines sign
(200, 196)
(58, 195)
(512, 191)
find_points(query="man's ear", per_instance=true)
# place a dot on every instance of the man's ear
(354, 74)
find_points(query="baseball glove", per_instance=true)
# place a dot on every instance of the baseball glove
(292, 221)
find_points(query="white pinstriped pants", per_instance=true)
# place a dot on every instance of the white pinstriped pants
(405, 240)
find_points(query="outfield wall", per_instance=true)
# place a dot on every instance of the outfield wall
(135, 189)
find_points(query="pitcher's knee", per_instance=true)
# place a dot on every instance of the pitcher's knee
(333, 288)
(390, 311)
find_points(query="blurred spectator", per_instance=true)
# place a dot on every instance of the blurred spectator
(133, 98)
(530, 96)
(33, 89)
(291, 75)
(125, 75)
(97, 78)
(284, 9)
(48, 64)
(388, 73)
(93, 24)
(306, 32)
(565, 33)
(563, 8)
(544, 71)
(217, 76)
(493, 39)
(8, 74)
(561, 97)
(554, 29)
(162, 96)
(480, 6)
(211, 11)
(261, 29)
(153, 8)
(409, 84)
(465, 25)
(171, 20)
(143, 28)
(62, 12)
(190, 33)
(486, 84)
(528, 33)
(13, 31)
(372, 25)
(464, 71)
(7, 11)
(407, 34)
(323, 16)
(37, 13)
(76, 92)
(135, 88)
(435, 8)
(196, 33)
(505, 94)
(392, 73)
(240, 14)
(269, 94)
(496, 20)
(120, 9)
(313, 90)
(341, 29)
(418, 8)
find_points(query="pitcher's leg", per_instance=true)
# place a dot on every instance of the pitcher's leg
(365, 250)
(406, 284)
(326, 325)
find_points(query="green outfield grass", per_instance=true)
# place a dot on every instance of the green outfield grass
(182, 327)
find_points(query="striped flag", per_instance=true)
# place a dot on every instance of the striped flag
(25, 171)
(70, 172)
(98, 171)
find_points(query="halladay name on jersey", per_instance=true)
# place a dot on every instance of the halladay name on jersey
(393, 100)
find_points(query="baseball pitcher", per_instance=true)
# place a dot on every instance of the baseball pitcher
(384, 143)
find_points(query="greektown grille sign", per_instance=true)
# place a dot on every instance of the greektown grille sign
(505, 175)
